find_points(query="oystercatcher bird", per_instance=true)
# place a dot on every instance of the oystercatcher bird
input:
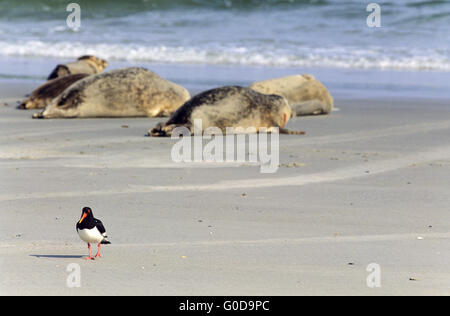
(91, 230)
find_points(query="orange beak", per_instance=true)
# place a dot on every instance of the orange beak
(82, 218)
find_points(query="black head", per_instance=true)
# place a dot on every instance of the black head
(86, 213)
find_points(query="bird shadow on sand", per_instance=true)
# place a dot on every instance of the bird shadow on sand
(57, 256)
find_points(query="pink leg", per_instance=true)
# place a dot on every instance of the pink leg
(90, 256)
(98, 251)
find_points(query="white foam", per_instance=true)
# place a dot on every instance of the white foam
(340, 57)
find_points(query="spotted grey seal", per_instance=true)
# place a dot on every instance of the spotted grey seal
(305, 94)
(230, 107)
(129, 92)
(90, 65)
(44, 94)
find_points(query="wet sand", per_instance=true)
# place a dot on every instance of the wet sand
(368, 184)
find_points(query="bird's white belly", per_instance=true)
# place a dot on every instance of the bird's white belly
(91, 236)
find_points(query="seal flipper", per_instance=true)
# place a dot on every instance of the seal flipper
(157, 131)
(59, 71)
(165, 130)
(39, 115)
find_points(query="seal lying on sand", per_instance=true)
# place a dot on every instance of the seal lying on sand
(129, 92)
(90, 65)
(230, 107)
(43, 95)
(305, 94)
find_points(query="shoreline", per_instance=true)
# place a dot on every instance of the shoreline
(346, 84)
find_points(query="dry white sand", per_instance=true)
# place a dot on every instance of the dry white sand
(371, 185)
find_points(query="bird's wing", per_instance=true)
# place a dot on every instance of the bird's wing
(100, 226)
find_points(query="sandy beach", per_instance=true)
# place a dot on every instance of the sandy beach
(368, 184)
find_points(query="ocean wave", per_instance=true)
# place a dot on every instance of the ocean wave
(96, 8)
(48, 4)
(337, 57)
(54, 9)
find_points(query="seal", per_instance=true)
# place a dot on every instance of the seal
(128, 92)
(305, 94)
(90, 65)
(44, 94)
(229, 107)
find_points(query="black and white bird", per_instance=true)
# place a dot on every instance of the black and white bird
(91, 231)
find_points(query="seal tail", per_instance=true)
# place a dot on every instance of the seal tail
(289, 132)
